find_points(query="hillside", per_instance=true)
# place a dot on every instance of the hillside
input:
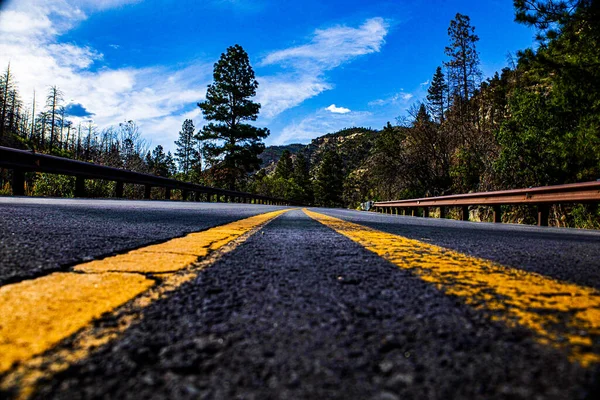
(272, 153)
(353, 145)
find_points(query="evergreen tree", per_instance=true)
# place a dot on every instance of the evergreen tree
(158, 163)
(422, 115)
(170, 164)
(301, 176)
(285, 167)
(53, 100)
(463, 66)
(187, 155)
(6, 86)
(551, 17)
(230, 144)
(437, 95)
(329, 180)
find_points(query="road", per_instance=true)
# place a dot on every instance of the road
(223, 301)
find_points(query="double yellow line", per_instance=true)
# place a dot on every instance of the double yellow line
(37, 315)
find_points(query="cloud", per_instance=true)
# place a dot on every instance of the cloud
(77, 110)
(320, 123)
(398, 98)
(308, 63)
(333, 46)
(337, 110)
(425, 83)
(159, 98)
(156, 98)
(279, 93)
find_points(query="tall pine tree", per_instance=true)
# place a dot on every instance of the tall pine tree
(231, 145)
(285, 167)
(301, 176)
(463, 66)
(187, 154)
(329, 180)
(437, 95)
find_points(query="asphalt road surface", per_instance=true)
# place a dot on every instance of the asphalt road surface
(301, 305)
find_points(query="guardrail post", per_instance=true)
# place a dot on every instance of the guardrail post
(196, 196)
(119, 190)
(167, 193)
(425, 212)
(18, 182)
(543, 214)
(442, 212)
(147, 192)
(184, 195)
(79, 186)
(465, 213)
(413, 212)
(497, 214)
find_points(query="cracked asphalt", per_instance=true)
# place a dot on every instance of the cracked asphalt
(298, 311)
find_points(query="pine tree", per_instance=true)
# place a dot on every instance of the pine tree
(301, 176)
(422, 115)
(230, 144)
(463, 66)
(329, 180)
(157, 162)
(437, 95)
(285, 167)
(187, 154)
(6, 86)
(53, 100)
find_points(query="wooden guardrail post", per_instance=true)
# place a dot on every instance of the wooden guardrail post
(167, 193)
(425, 212)
(465, 213)
(543, 214)
(497, 214)
(147, 192)
(18, 182)
(79, 186)
(442, 212)
(184, 194)
(119, 188)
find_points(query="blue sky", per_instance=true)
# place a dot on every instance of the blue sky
(321, 65)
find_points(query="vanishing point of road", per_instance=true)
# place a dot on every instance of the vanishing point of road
(152, 299)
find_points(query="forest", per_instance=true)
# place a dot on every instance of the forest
(535, 123)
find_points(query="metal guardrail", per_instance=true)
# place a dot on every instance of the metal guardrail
(22, 161)
(542, 197)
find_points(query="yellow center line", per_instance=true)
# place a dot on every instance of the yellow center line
(562, 315)
(36, 315)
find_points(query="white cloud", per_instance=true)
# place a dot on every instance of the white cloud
(333, 46)
(425, 83)
(157, 98)
(337, 110)
(279, 93)
(398, 98)
(327, 49)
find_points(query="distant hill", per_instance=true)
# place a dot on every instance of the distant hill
(272, 154)
(353, 144)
